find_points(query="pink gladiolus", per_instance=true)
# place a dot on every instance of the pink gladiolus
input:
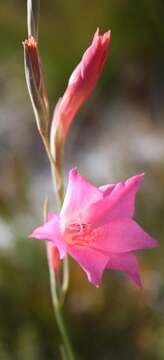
(81, 83)
(96, 227)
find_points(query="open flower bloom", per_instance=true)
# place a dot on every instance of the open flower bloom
(80, 85)
(95, 227)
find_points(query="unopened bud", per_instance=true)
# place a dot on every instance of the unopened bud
(53, 256)
(35, 83)
(80, 86)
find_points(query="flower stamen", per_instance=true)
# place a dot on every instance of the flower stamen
(78, 234)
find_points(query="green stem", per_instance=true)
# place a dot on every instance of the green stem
(57, 301)
(58, 293)
(33, 7)
(65, 274)
(59, 191)
(58, 315)
(63, 354)
(56, 173)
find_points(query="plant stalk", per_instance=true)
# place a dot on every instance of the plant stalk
(58, 291)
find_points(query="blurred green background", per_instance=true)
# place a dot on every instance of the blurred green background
(118, 133)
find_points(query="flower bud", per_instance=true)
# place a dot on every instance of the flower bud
(36, 85)
(80, 86)
(53, 256)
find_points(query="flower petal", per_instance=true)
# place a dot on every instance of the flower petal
(51, 231)
(92, 262)
(50, 215)
(107, 189)
(121, 236)
(127, 263)
(80, 194)
(119, 204)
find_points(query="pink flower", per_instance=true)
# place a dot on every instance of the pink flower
(81, 83)
(96, 228)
